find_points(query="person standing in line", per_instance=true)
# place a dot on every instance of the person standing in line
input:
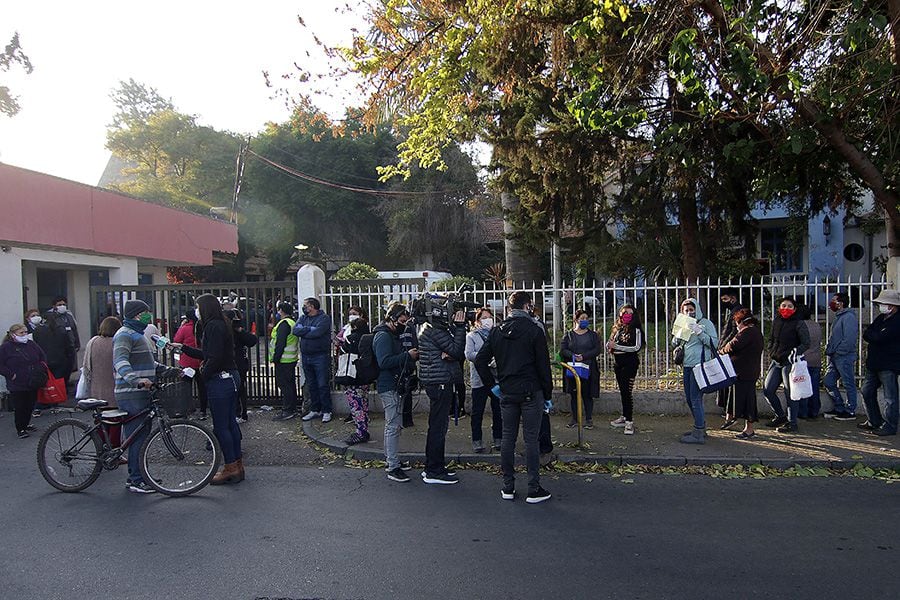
(809, 407)
(883, 366)
(745, 349)
(357, 395)
(22, 363)
(33, 320)
(702, 342)
(625, 343)
(56, 341)
(519, 347)
(314, 331)
(284, 350)
(582, 345)
(98, 362)
(243, 341)
(484, 322)
(61, 313)
(392, 361)
(441, 345)
(789, 336)
(730, 305)
(219, 372)
(842, 352)
(409, 340)
(187, 335)
(136, 371)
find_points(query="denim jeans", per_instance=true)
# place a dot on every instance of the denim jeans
(317, 368)
(529, 409)
(777, 376)
(134, 403)
(439, 399)
(222, 395)
(842, 367)
(887, 380)
(286, 380)
(694, 398)
(480, 397)
(810, 407)
(392, 419)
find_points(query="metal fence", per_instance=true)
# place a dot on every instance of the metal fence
(656, 302)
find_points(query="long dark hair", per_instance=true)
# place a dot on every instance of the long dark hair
(625, 332)
(210, 310)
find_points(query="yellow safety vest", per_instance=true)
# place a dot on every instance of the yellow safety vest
(291, 347)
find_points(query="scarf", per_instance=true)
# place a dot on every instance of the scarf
(135, 325)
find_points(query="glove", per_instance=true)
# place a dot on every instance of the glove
(496, 390)
(548, 404)
(695, 327)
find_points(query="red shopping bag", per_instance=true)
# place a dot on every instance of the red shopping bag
(54, 391)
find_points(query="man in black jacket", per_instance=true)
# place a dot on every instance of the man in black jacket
(883, 365)
(441, 346)
(523, 368)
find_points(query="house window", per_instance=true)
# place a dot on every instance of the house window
(775, 246)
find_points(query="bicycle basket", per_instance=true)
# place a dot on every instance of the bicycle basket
(176, 396)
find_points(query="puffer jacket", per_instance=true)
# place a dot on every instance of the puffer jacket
(433, 342)
(788, 335)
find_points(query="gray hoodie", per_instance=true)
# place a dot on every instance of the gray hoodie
(844, 334)
(706, 341)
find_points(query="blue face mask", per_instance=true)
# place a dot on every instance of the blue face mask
(583, 324)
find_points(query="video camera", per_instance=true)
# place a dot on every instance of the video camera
(439, 308)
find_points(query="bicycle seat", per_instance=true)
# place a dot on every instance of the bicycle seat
(91, 403)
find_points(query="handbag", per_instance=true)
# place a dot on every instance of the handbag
(346, 369)
(800, 382)
(54, 391)
(83, 389)
(582, 369)
(678, 355)
(715, 374)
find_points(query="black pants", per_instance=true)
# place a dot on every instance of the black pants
(286, 380)
(626, 369)
(201, 393)
(439, 397)
(587, 403)
(407, 409)
(459, 399)
(480, 397)
(24, 404)
(545, 442)
(527, 408)
(242, 396)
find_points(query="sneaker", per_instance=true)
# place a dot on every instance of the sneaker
(440, 478)
(356, 438)
(572, 424)
(326, 417)
(495, 445)
(620, 422)
(787, 428)
(284, 416)
(478, 447)
(830, 414)
(589, 425)
(140, 488)
(30, 428)
(312, 415)
(777, 422)
(404, 466)
(883, 431)
(537, 496)
(202, 416)
(241, 420)
(547, 458)
(35, 413)
(629, 427)
(23, 434)
(695, 436)
(398, 475)
(865, 425)
(508, 493)
(847, 416)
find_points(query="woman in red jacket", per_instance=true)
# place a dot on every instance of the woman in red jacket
(186, 335)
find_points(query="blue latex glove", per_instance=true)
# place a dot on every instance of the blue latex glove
(496, 390)
(548, 404)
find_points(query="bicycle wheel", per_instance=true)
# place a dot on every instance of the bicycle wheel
(69, 455)
(180, 458)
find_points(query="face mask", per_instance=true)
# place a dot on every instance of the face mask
(35, 319)
(627, 317)
(352, 318)
(834, 306)
(487, 322)
(884, 309)
(21, 338)
(786, 313)
(197, 313)
(145, 318)
(62, 309)
(726, 305)
(583, 324)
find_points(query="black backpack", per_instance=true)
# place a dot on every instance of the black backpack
(366, 365)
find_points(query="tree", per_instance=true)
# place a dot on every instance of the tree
(12, 55)
(356, 270)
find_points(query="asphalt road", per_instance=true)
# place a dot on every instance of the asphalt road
(330, 532)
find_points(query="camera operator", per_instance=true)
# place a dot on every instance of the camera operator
(409, 341)
(441, 347)
(519, 346)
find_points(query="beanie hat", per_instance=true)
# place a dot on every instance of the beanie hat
(135, 307)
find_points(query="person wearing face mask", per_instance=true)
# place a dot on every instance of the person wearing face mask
(789, 335)
(842, 353)
(314, 331)
(809, 407)
(745, 350)
(283, 350)
(61, 313)
(22, 363)
(730, 305)
(700, 344)
(625, 343)
(33, 320)
(55, 340)
(883, 365)
(357, 395)
(484, 322)
(582, 345)
(187, 335)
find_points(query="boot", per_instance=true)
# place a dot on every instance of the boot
(240, 467)
(228, 474)
(697, 436)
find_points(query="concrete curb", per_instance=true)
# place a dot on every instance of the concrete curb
(364, 452)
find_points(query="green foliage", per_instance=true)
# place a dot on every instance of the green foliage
(450, 285)
(356, 270)
(12, 55)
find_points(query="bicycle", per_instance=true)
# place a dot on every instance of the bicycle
(178, 457)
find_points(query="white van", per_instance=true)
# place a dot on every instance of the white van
(429, 276)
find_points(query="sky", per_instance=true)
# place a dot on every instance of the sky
(207, 57)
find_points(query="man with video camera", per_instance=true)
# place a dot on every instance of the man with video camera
(442, 345)
(519, 346)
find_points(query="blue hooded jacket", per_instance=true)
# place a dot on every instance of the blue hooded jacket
(708, 338)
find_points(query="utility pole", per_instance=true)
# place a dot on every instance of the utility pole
(238, 176)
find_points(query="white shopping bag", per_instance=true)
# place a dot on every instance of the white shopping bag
(801, 384)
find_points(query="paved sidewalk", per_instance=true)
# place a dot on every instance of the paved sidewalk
(823, 442)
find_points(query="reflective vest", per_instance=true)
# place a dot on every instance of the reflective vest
(291, 347)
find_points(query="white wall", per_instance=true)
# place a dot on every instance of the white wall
(11, 308)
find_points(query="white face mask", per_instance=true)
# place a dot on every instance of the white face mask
(352, 318)
(62, 309)
(35, 319)
(884, 308)
(21, 338)
(487, 322)
(197, 313)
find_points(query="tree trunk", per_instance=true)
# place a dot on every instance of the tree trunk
(521, 262)
(691, 251)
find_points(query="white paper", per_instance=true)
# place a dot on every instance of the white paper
(681, 329)
(188, 372)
